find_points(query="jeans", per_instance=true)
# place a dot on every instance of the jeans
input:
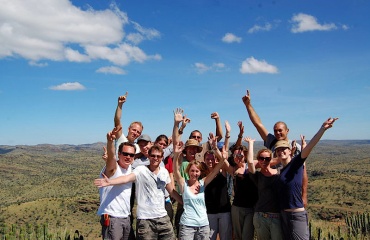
(242, 220)
(295, 225)
(267, 226)
(119, 228)
(220, 223)
(196, 233)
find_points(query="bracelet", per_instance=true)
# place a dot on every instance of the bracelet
(227, 136)
(240, 136)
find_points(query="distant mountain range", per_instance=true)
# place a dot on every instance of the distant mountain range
(98, 146)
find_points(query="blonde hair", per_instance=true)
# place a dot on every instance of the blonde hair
(138, 123)
(263, 150)
(200, 165)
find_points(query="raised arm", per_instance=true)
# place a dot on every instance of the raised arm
(250, 161)
(325, 126)
(105, 154)
(118, 114)
(177, 150)
(253, 116)
(305, 176)
(111, 163)
(216, 117)
(240, 135)
(221, 157)
(177, 130)
(227, 135)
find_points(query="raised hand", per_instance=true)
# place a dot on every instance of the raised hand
(227, 127)
(329, 123)
(122, 99)
(113, 134)
(303, 140)
(249, 140)
(224, 152)
(179, 147)
(215, 115)
(105, 154)
(178, 115)
(185, 121)
(241, 128)
(212, 140)
(247, 98)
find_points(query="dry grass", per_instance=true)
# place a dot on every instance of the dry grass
(53, 184)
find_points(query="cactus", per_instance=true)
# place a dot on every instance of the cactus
(36, 232)
(319, 233)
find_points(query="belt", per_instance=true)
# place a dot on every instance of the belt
(269, 215)
(109, 216)
(294, 210)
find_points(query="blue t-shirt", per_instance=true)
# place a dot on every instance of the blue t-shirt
(290, 184)
(195, 213)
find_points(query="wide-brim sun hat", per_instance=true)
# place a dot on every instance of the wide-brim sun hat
(193, 142)
(282, 144)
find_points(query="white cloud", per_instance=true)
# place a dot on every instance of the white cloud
(218, 67)
(111, 70)
(37, 64)
(345, 27)
(59, 31)
(156, 57)
(230, 38)
(252, 65)
(122, 55)
(74, 56)
(135, 38)
(142, 34)
(304, 22)
(68, 87)
(259, 28)
(202, 68)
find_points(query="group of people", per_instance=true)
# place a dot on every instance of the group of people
(222, 192)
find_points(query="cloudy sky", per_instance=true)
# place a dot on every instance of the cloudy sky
(63, 65)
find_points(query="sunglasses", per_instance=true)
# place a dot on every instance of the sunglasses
(268, 159)
(238, 155)
(128, 154)
(197, 137)
(155, 156)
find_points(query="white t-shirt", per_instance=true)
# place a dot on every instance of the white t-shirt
(115, 200)
(122, 139)
(150, 192)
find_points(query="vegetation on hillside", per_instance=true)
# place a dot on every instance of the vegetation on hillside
(52, 184)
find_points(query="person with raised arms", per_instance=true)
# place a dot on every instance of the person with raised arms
(194, 221)
(114, 206)
(281, 131)
(134, 130)
(151, 182)
(293, 214)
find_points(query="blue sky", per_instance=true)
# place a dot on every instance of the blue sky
(64, 63)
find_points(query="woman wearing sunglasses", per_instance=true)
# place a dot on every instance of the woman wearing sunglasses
(266, 217)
